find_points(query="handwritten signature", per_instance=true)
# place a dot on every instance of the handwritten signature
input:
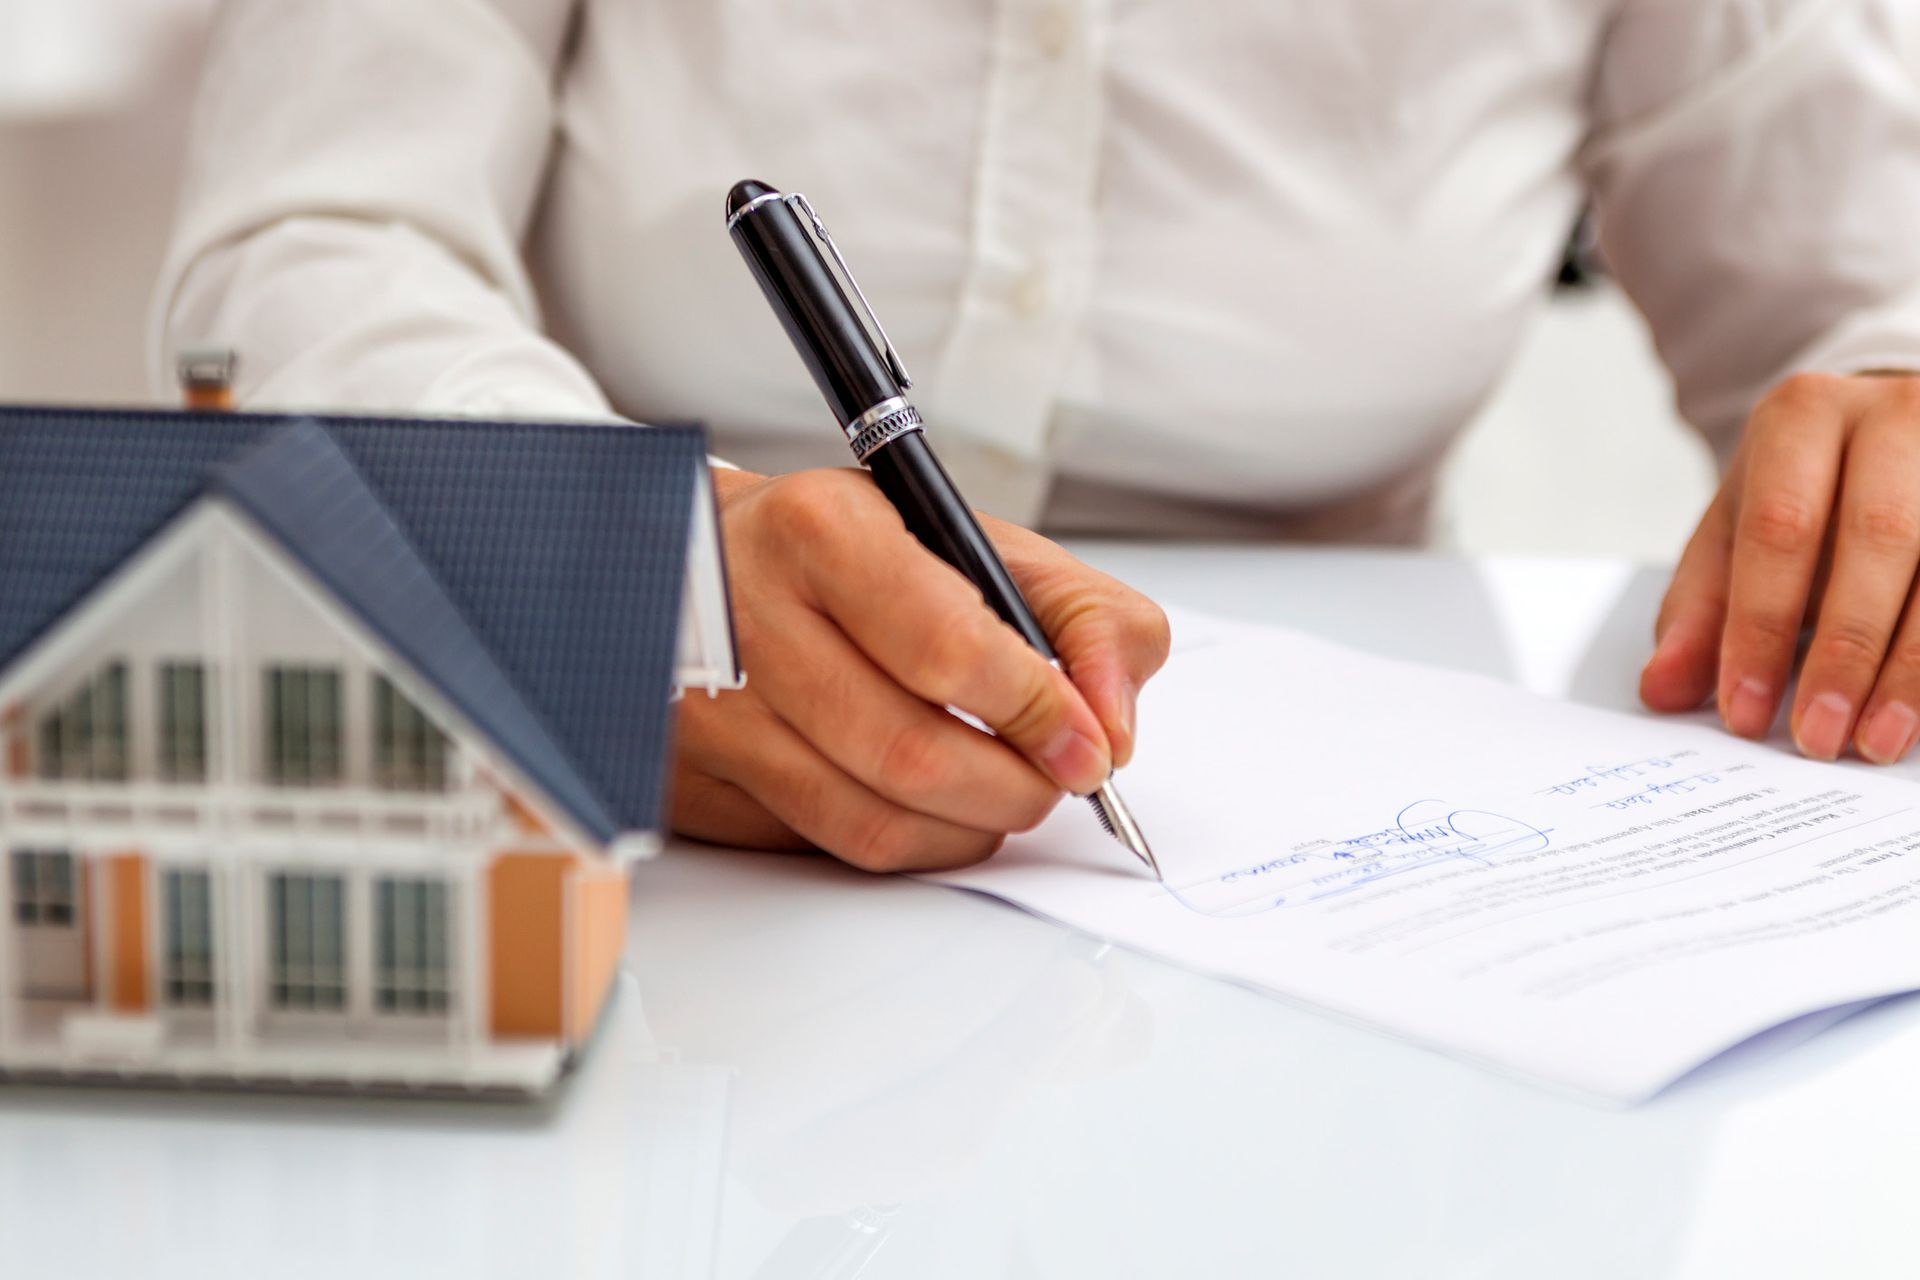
(1653, 791)
(1424, 834)
(1597, 775)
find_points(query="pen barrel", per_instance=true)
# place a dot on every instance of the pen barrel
(917, 485)
(853, 375)
(803, 291)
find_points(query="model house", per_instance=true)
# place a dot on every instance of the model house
(326, 745)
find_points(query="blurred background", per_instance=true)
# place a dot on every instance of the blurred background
(1579, 453)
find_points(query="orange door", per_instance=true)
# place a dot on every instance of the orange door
(526, 895)
(128, 957)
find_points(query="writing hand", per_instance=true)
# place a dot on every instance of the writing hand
(855, 639)
(1818, 521)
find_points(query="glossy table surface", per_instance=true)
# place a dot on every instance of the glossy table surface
(810, 1072)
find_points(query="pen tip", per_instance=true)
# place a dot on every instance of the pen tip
(1117, 821)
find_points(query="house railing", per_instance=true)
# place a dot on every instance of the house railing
(156, 807)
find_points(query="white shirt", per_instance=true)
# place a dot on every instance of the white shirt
(1154, 263)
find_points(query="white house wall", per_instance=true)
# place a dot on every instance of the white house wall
(212, 589)
(152, 611)
(208, 588)
(280, 614)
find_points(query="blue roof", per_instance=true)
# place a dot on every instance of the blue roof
(531, 572)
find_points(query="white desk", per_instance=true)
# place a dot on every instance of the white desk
(809, 1071)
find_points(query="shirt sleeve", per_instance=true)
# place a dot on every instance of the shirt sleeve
(359, 180)
(1756, 173)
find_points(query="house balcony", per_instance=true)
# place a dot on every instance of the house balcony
(151, 807)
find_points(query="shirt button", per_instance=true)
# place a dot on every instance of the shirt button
(1053, 30)
(1031, 293)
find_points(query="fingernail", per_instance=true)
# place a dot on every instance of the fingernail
(1823, 726)
(1124, 748)
(1888, 732)
(1074, 761)
(1750, 709)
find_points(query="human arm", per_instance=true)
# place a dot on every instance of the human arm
(362, 174)
(359, 178)
(1757, 170)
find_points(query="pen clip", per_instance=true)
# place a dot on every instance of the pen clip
(800, 205)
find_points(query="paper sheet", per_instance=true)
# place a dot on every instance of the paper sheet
(1596, 900)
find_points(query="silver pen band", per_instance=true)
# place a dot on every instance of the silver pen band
(881, 425)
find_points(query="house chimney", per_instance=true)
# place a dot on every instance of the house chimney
(206, 378)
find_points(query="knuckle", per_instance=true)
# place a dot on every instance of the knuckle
(1780, 523)
(1695, 608)
(798, 511)
(1039, 705)
(1903, 395)
(1121, 619)
(1903, 660)
(880, 840)
(798, 799)
(1154, 633)
(1770, 633)
(1848, 644)
(1803, 390)
(955, 659)
(1886, 526)
(912, 761)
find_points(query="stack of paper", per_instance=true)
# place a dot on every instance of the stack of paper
(1598, 900)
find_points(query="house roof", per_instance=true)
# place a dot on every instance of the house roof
(531, 572)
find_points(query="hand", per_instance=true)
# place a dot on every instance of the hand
(855, 639)
(1818, 521)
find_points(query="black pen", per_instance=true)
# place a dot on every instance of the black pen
(864, 383)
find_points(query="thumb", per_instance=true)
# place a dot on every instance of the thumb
(1110, 638)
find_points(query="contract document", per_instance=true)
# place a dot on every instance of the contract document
(1596, 900)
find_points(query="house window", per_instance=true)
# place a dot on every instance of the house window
(186, 976)
(409, 750)
(410, 946)
(183, 722)
(303, 726)
(43, 887)
(85, 737)
(308, 969)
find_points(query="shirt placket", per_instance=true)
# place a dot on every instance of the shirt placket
(1031, 250)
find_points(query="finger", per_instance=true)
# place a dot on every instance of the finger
(1792, 465)
(1876, 545)
(1686, 653)
(928, 629)
(1890, 722)
(706, 808)
(908, 751)
(1110, 638)
(769, 761)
